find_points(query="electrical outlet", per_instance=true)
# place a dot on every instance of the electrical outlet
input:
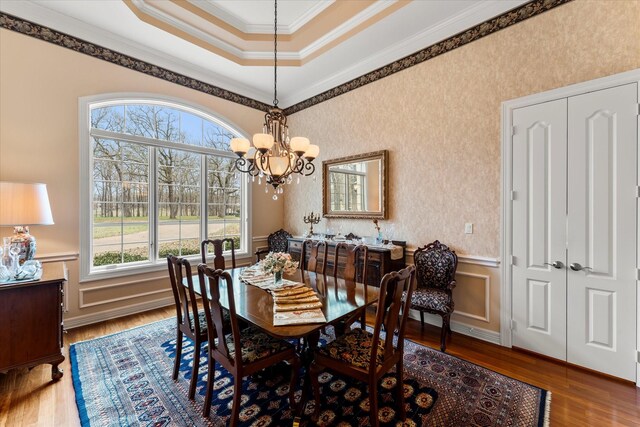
(468, 228)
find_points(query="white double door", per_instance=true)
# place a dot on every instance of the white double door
(575, 163)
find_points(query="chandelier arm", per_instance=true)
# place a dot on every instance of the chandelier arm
(245, 166)
(310, 167)
(299, 166)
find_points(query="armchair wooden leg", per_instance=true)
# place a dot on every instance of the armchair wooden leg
(194, 369)
(443, 334)
(176, 364)
(295, 369)
(314, 371)
(237, 399)
(400, 391)
(373, 404)
(211, 377)
(422, 319)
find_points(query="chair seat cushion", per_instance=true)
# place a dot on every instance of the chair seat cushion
(257, 345)
(354, 348)
(202, 319)
(432, 299)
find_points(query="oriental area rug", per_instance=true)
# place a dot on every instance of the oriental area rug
(125, 380)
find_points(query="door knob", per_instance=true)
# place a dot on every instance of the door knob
(555, 264)
(577, 267)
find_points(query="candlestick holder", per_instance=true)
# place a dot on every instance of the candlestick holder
(311, 219)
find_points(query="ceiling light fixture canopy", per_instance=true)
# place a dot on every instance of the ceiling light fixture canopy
(274, 156)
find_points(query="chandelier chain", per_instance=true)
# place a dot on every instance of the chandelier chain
(275, 54)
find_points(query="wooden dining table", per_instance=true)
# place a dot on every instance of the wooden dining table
(340, 299)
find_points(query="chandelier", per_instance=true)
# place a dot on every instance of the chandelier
(274, 156)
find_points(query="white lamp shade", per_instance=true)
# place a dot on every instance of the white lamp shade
(277, 166)
(239, 145)
(299, 144)
(263, 141)
(312, 152)
(24, 204)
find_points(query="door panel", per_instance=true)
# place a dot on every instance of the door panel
(539, 228)
(601, 218)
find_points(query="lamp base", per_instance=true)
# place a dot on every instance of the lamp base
(25, 241)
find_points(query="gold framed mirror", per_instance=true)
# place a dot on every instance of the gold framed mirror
(356, 186)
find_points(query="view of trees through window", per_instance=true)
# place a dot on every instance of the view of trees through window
(346, 186)
(150, 163)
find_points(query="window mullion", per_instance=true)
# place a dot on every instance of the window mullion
(204, 198)
(153, 205)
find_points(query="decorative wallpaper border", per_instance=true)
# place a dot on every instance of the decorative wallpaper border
(519, 14)
(40, 32)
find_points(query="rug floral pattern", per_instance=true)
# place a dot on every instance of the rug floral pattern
(125, 379)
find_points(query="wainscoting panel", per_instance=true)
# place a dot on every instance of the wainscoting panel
(106, 294)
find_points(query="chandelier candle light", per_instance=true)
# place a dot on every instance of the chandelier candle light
(274, 154)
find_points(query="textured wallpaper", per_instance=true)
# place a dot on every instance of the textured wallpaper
(440, 121)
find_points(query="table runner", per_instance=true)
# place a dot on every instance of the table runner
(294, 303)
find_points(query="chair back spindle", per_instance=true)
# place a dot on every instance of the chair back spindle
(184, 296)
(210, 280)
(218, 251)
(393, 311)
(314, 256)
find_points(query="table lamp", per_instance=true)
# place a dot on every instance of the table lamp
(21, 205)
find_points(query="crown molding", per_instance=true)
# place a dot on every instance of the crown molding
(466, 36)
(243, 26)
(195, 78)
(40, 32)
(48, 20)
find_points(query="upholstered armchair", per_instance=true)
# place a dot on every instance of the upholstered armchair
(436, 266)
(277, 242)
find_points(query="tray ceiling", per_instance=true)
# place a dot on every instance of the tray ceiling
(321, 44)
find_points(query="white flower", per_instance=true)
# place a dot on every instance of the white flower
(279, 261)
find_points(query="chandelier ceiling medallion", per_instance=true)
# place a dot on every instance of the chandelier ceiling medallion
(274, 156)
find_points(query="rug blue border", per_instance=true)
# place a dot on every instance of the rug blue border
(77, 385)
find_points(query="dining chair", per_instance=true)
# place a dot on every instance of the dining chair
(278, 241)
(367, 356)
(436, 266)
(241, 352)
(314, 262)
(190, 321)
(218, 250)
(353, 271)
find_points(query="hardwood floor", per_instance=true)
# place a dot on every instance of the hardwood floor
(579, 398)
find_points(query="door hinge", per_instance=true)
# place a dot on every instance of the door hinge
(638, 191)
(514, 130)
(638, 353)
(513, 325)
(638, 108)
(514, 195)
(637, 273)
(513, 260)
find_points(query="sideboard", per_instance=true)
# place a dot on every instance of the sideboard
(31, 324)
(379, 259)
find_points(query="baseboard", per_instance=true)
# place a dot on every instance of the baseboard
(88, 319)
(459, 327)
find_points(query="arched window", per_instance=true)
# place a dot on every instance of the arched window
(158, 178)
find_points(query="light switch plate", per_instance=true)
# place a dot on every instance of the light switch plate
(468, 228)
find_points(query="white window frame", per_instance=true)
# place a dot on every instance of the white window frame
(85, 104)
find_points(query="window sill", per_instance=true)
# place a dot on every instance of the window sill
(242, 259)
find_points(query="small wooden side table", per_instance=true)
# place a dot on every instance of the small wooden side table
(31, 325)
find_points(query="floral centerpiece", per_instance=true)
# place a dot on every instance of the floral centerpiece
(278, 262)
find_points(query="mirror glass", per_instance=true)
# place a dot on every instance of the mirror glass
(355, 186)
